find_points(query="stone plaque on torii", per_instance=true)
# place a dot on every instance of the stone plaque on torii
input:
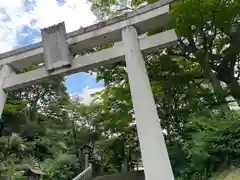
(54, 51)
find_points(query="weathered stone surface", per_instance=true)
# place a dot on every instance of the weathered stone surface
(89, 28)
(56, 52)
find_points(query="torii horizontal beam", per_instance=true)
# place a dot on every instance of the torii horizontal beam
(82, 63)
(144, 19)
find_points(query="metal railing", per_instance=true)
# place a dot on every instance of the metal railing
(85, 175)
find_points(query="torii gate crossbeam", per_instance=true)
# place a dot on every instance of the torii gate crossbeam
(54, 52)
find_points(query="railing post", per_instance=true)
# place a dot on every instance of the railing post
(153, 148)
(5, 71)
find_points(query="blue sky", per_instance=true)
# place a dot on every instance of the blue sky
(21, 21)
(76, 83)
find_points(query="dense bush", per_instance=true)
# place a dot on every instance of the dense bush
(212, 144)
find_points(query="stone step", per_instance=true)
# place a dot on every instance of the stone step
(137, 175)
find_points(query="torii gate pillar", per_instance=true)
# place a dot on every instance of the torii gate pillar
(153, 148)
(5, 71)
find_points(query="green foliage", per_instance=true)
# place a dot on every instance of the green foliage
(212, 143)
(231, 173)
(186, 80)
(42, 126)
(63, 166)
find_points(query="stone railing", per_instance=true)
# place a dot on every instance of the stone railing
(85, 175)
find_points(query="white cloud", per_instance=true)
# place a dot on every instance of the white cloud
(13, 10)
(86, 94)
(75, 13)
(45, 13)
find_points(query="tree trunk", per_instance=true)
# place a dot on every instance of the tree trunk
(234, 87)
(218, 89)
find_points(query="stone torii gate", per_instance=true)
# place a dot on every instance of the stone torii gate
(54, 52)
